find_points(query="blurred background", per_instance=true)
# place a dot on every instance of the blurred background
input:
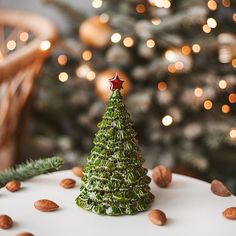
(178, 59)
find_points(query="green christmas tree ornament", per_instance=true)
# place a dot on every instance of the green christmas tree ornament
(114, 181)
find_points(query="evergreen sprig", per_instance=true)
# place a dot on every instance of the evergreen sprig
(30, 169)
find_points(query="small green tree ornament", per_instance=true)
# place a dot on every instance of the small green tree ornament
(114, 181)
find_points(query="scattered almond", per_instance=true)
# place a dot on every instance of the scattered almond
(13, 185)
(25, 234)
(5, 222)
(45, 205)
(68, 183)
(162, 176)
(230, 213)
(157, 217)
(78, 171)
(218, 188)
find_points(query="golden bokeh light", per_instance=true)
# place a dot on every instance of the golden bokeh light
(24, 36)
(212, 5)
(97, 3)
(208, 104)
(157, 3)
(91, 75)
(206, 28)
(179, 65)
(225, 108)
(11, 45)
(115, 38)
(87, 55)
(211, 22)
(234, 17)
(162, 86)
(226, 3)
(167, 120)
(170, 55)
(45, 45)
(222, 84)
(62, 60)
(82, 71)
(234, 63)
(198, 92)
(232, 98)
(150, 43)
(171, 68)
(128, 42)
(186, 50)
(232, 133)
(140, 8)
(156, 21)
(166, 3)
(63, 76)
(196, 48)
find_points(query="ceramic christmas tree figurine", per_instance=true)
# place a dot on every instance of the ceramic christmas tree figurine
(114, 181)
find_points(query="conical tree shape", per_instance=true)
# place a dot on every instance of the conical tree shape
(114, 181)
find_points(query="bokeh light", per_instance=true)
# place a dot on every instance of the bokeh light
(225, 108)
(24, 36)
(87, 55)
(97, 3)
(115, 38)
(162, 86)
(212, 5)
(232, 133)
(198, 92)
(206, 28)
(167, 120)
(150, 43)
(232, 98)
(11, 45)
(196, 48)
(234, 63)
(186, 50)
(62, 60)
(45, 45)
(128, 42)
(222, 84)
(211, 22)
(63, 76)
(140, 8)
(208, 104)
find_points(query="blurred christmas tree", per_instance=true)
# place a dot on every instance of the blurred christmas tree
(178, 59)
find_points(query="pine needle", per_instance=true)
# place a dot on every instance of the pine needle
(30, 169)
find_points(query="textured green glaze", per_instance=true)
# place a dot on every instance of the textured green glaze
(114, 181)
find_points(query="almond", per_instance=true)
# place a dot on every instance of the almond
(13, 185)
(25, 234)
(157, 217)
(218, 188)
(78, 171)
(230, 213)
(68, 183)
(5, 222)
(162, 176)
(45, 205)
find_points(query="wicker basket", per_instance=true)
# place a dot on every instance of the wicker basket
(26, 39)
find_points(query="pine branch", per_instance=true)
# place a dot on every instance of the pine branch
(30, 169)
(191, 16)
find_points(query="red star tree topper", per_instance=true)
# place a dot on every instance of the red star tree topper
(116, 82)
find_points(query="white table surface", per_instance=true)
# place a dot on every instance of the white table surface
(191, 208)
